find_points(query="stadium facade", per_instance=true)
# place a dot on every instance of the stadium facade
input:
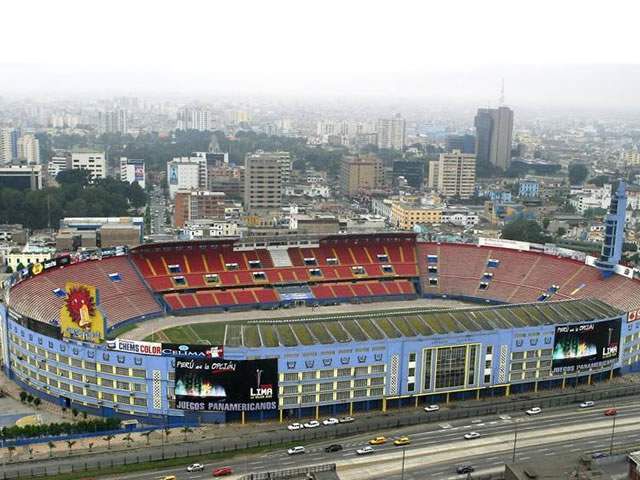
(546, 317)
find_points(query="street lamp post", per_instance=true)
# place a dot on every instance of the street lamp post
(403, 453)
(613, 430)
(515, 441)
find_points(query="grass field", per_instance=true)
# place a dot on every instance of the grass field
(378, 325)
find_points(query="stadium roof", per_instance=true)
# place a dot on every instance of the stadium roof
(389, 324)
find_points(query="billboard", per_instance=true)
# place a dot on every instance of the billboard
(585, 345)
(133, 346)
(173, 175)
(80, 318)
(226, 385)
(192, 351)
(138, 173)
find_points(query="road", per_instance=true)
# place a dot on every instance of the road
(158, 207)
(435, 450)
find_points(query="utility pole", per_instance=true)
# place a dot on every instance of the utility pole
(515, 441)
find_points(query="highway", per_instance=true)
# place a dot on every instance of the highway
(437, 449)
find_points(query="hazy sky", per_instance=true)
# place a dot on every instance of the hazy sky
(368, 47)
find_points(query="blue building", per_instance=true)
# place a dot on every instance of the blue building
(614, 232)
(528, 189)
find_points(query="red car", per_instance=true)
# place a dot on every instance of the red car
(610, 412)
(222, 471)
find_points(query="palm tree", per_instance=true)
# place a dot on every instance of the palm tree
(186, 430)
(70, 444)
(30, 452)
(147, 435)
(127, 438)
(90, 446)
(11, 449)
(108, 439)
(51, 446)
(167, 432)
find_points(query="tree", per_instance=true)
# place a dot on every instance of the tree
(90, 444)
(525, 231)
(37, 402)
(74, 412)
(9, 269)
(578, 173)
(70, 444)
(108, 439)
(147, 435)
(127, 438)
(600, 180)
(561, 232)
(186, 430)
(79, 177)
(11, 449)
(23, 396)
(167, 432)
(545, 223)
(30, 398)
(51, 446)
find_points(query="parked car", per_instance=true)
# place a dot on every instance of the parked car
(610, 412)
(402, 441)
(295, 450)
(330, 421)
(587, 404)
(377, 441)
(534, 411)
(312, 424)
(295, 426)
(346, 419)
(464, 469)
(471, 435)
(365, 450)
(222, 471)
(432, 408)
(195, 467)
(336, 447)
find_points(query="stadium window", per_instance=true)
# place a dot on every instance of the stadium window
(543, 297)
(487, 276)
(179, 280)
(493, 263)
(331, 261)
(358, 270)
(387, 269)
(60, 293)
(255, 264)
(433, 282)
(432, 259)
(211, 278)
(432, 268)
(310, 262)
(315, 272)
(115, 277)
(484, 285)
(383, 257)
(231, 266)
(174, 268)
(261, 276)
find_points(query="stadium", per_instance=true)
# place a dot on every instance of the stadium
(201, 331)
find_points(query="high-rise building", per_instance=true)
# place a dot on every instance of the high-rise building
(21, 177)
(614, 232)
(115, 121)
(283, 159)
(57, 164)
(94, 162)
(464, 143)
(494, 135)
(29, 149)
(434, 170)
(391, 133)
(457, 174)
(186, 173)
(198, 205)
(361, 173)
(8, 145)
(194, 119)
(263, 183)
(132, 170)
(411, 170)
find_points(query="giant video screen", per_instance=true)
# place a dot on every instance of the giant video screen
(215, 384)
(585, 345)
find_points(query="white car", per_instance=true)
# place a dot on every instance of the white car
(346, 419)
(312, 424)
(195, 467)
(534, 411)
(295, 450)
(471, 435)
(364, 450)
(330, 421)
(505, 417)
(295, 426)
(587, 404)
(432, 408)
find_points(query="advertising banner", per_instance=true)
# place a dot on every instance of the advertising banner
(192, 351)
(138, 173)
(80, 318)
(226, 385)
(173, 175)
(585, 345)
(133, 346)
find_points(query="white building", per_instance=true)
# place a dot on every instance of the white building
(186, 173)
(94, 162)
(209, 228)
(460, 217)
(194, 119)
(58, 164)
(115, 121)
(590, 197)
(8, 146)
(21, 177)
(29, 255)
(132, 170)
(29, 149)
(392, 133)
(312, 190)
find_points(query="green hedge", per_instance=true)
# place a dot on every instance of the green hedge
(64, 428)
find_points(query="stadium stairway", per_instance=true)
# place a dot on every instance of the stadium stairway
(280, 257)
